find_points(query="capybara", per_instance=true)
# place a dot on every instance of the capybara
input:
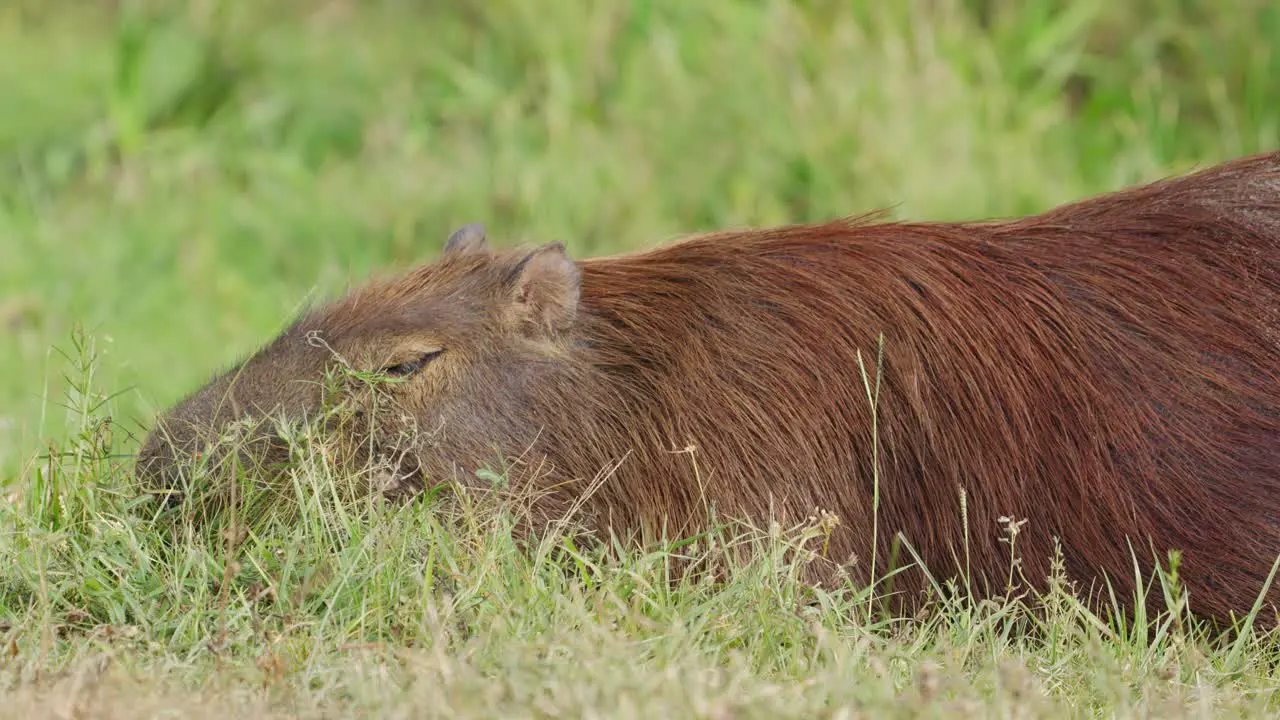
(1107, 371)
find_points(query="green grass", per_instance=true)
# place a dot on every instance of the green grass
(178, 179)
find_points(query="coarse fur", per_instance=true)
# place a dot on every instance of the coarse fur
(1108, 371)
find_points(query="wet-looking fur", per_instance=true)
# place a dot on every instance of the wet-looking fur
(1108, 371)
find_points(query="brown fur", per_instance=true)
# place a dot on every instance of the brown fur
(1108, 371)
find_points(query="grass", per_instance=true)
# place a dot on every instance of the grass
(176, 179)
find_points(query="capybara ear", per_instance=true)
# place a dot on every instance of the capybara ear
(467, 240)
(546, 285)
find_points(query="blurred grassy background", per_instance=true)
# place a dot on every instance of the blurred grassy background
(179, 177)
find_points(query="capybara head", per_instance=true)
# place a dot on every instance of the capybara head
(442, 367)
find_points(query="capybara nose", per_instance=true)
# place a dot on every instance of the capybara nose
(157, 470)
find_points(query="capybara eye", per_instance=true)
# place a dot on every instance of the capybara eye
(405, 369)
